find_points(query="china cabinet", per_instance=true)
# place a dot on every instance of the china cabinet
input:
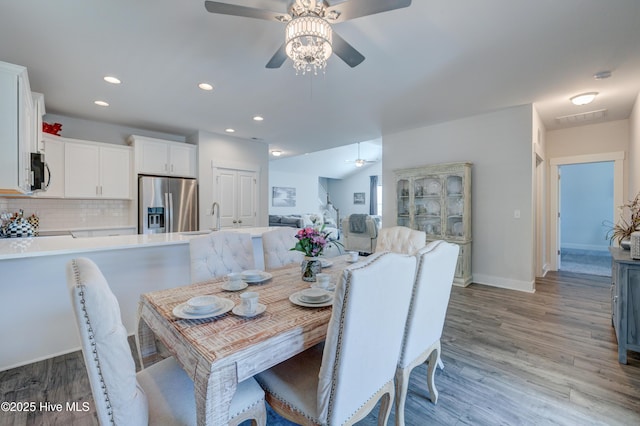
(436, 199)
(163, 158)
(625, 301)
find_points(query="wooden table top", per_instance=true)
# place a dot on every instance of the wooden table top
(220, 337)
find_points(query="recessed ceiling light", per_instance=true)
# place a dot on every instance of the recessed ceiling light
(276, 153)
(101, 103)
(112, 80)
(205, 86)
(229, 130)
(258, 118)
(584, 98)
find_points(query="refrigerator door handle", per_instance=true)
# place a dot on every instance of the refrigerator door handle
(171, 212)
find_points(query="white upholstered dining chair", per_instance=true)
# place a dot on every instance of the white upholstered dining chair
(219, 253)
(277, 245)
(431, 292)
(400, 239)
(341, 384)
(162, 394)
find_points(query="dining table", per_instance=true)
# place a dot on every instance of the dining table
(221, 351)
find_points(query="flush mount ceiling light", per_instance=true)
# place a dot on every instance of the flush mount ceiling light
(112, 80)
(229, 130)
(584, 98)
(205, 86)
(276, 153)
(258, 118)
(602, 75)
(101, 103)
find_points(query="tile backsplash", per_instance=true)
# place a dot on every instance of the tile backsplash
(65, 214)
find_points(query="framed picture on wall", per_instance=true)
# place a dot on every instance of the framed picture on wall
(283, 197)
(358, 198)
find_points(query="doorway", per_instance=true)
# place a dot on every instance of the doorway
(585, 199)
(555, 195)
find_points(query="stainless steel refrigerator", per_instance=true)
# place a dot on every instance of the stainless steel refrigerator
(167, 204)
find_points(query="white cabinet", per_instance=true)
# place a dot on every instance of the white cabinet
(17, 138)
(53, 149)
(436, 199)
(38, 113)
(236, 195)
(94, 170)
(163, 158)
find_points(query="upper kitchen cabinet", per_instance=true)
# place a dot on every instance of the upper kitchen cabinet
(97, 170)
(18, 134)
(163, 158)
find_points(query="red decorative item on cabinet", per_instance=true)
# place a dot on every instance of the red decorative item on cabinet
(53, 129)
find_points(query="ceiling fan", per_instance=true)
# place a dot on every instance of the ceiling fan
(359, 162)
(309, 37)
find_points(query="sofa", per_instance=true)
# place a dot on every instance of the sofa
(293, 221)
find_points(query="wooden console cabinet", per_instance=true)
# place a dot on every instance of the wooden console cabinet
(625, 301)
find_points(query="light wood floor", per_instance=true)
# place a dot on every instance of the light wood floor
(511, 358)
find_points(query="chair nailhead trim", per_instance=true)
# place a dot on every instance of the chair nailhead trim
(96, 358)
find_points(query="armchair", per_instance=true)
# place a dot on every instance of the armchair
(360, 233)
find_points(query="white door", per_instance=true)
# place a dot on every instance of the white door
(236, 195)
(246, 199)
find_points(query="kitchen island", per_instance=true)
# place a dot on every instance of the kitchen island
(35, 310)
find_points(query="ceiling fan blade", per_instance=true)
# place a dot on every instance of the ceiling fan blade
(247, 12)
(345, 51)
(352, 9)
(278, 58)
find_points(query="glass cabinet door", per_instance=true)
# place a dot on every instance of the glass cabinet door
(428, 205)
(454, 206)
(402, 192)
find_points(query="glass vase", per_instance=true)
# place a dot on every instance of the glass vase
(310, 267)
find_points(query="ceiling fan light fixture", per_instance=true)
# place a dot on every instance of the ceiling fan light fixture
(584, 98)
(360, 162)
(308, 43)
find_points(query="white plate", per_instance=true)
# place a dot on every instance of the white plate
(295, 299)
(226, 306)
(251, 274)
(239, 310)
(325, 263)
(263, 277)
(227, 286)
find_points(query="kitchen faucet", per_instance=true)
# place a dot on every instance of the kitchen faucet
(217, 213)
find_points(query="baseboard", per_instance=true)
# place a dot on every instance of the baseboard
(590, 247)
(526, 286)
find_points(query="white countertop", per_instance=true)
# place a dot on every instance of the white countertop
(14, 248)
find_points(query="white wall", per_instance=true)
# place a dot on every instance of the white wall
(77, 128)
(342, 190)
(634, 148)
(306, 186)
(233, 153)
(500, 147)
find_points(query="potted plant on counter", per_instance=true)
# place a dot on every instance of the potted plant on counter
(628, 223)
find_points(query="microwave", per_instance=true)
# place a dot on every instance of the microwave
(38, 166)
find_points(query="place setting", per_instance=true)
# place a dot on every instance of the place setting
(201, 307)
(249, 305)
(319, 295)
(254, 276)
(233, 282)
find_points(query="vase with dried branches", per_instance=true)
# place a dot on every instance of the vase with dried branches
(629, 222)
